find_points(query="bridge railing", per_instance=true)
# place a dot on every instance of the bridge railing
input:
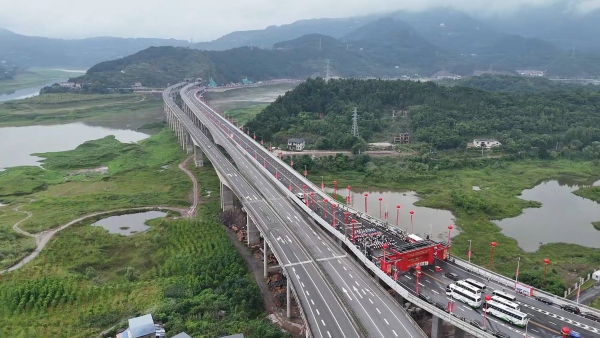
(360, 256)
(177, 111)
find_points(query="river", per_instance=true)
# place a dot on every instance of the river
(563, 217)
(18, 143)
(26, 92)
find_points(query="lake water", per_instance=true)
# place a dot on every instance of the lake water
(563, 217)
(129, 224)
(425, 220)
(26, 92)
(18, 143)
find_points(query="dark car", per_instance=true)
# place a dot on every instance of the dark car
(501, 334)
(571, 308)
(426, 298)
(441, 306)
(591, 316)
(544, 300)
(451, 275)
(477, 324)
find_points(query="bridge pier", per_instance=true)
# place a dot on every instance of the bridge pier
(459, 333)
(266, 264)
(198, 156)
(289, 300)
(252, 232)
(436, 327)
(226, 197)
(189, 145)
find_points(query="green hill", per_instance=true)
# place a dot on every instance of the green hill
(441, 117)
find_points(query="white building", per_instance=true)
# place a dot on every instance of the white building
(596, 276)
(296, 143)
(486, 143)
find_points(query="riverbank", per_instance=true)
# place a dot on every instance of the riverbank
(500, 184)
(66, 107)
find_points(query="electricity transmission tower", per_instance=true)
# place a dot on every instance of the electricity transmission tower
(355, 123)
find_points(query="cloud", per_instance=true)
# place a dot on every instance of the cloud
(202, 19)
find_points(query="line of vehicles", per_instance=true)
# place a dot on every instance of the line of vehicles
(501, 305)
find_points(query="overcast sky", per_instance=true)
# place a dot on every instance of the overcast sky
(204, 20)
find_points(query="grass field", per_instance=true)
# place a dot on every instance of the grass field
(142, 174)
(34, 77)
(243, 115)
(474, 210)
(63, 108)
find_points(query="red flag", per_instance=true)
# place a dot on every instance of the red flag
(578, 290)
(396, 275)
(469, 255)
(517, 273)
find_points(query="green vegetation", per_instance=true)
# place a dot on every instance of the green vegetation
(548, 124)
(518, 84)
(88, 280)
(596, 225)
(451, 189)
(32, 77)
(243, 115)
(61, 108)
(142, 174)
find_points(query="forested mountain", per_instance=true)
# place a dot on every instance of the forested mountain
(33, 51)
(519, 84)
(442, 117)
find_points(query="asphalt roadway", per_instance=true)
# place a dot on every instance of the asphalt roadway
(546, 320)
(326, 315)
(378, 312)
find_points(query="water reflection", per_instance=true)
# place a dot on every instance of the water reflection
(563, 217)
(129, 224)
(425, 220)
(19, 142)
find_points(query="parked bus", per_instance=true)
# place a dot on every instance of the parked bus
(505, 302)
(467, 286)
(476, 284)
(473, 299)
(504, 295)
(507, 314)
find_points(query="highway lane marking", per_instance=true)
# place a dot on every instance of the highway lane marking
(371, 301)
(551, 323)
(308, 294)
(350, 276)
(428, 281)
(302, 283)
(329, 334)
(394, 332)
(378, 310)
(561, 318)
(312, 301)
(344, 268)
(297, 263)
(318, 313)
(322, 321)
(435, 291)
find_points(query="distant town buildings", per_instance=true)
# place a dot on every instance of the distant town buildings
(71, 85)
(528, 72)
(296, 144)
(486, 143)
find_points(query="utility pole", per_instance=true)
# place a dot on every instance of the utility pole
(355, 123)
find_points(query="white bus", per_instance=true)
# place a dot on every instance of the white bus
(413, 238)
(507, 314)
(507, 303)
(476, 284)
(473, 299)
(504, 295)
(468, 286)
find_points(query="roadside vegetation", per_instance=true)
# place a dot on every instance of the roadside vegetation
(66, 107)
(243, 115)
(89, 280)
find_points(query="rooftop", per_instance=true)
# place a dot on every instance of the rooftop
(141, 326)
(295, 140)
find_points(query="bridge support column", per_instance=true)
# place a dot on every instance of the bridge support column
(226, 197)
(459, 333)
(252, 231)
(189, 146)
(265, 254)
(288, 300)
(198, 156)
(436, 327)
